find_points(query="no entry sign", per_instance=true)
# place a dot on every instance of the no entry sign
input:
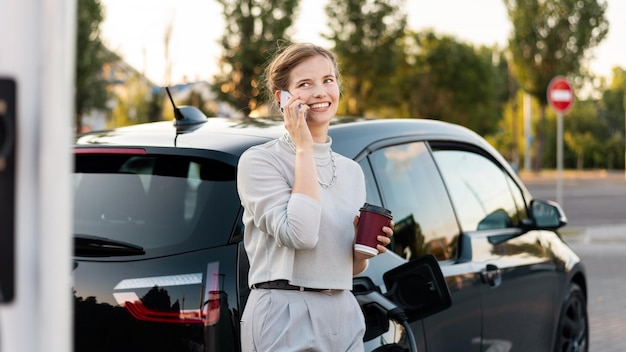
(560, 94)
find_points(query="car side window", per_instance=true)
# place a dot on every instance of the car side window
(479, 188)
(412, 189)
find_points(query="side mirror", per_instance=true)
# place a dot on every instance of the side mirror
(547, 215)
(418, 287)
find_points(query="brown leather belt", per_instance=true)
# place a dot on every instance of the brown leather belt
(285, 285)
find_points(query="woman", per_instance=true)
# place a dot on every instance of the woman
(301, 202)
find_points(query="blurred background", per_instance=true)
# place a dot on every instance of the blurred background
(484, 64)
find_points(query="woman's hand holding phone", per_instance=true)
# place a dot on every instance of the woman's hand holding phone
(296, 125)
(284, 97)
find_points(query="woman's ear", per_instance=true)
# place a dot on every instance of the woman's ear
(277, 96)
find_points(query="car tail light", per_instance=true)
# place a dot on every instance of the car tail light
(208, 314)
(141, 312)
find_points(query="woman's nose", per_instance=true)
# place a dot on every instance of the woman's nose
(319, 92)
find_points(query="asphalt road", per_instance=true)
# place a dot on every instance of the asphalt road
(588, 199)
(595, 204)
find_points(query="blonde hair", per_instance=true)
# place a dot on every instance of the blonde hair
(277, 72)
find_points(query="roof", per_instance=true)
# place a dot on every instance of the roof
(234, 135)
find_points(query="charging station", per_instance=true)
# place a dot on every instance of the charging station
(37, 64)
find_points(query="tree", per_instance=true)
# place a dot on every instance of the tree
(155, 106)
(91, 56)
(366, 36)
(253, 29)
(509, 137)
(613, 101)
(454, 82)
(550, 38)
(613, 107)
(508, 96)
(584, 132)
(134, 103)
(157, 298)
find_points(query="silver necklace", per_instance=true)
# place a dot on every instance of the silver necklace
(289, 141)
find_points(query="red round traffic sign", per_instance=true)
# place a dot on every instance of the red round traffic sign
(560, 94)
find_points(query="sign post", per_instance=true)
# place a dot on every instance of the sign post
(561, 98)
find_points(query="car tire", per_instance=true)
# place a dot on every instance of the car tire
(573, 329)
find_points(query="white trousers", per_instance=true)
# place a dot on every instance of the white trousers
(294, 321)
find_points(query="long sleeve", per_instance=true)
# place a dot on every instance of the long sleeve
(264, 185)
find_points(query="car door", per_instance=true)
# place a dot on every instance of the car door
(411, 187)
(517, 273)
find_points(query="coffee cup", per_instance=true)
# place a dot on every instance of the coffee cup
(371, 221)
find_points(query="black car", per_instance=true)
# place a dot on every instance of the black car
(160, 265)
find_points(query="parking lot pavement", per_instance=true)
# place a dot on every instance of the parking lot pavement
(602, 250)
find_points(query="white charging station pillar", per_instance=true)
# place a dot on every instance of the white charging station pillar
(37, 49)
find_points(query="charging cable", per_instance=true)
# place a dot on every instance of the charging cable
(376, 299)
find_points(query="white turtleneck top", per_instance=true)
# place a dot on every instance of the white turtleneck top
(293, 236)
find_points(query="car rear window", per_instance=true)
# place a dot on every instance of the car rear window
(154, 201)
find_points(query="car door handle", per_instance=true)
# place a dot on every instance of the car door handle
(491, 275)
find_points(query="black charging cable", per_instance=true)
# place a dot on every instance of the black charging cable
(376, 299)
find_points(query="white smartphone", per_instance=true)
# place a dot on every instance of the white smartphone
(284, 96)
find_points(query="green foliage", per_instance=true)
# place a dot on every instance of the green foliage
(134, 106)
(366, 35)
(613, 155)
(594, 130)
(506, 86)
(454, 82)
(91, 56)
(155, 106)
(613, 101)
(589, 143)
(253, 29)
(583, 128)
(612, 111)
(551, 37)
(509, 138)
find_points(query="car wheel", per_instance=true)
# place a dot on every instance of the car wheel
(573, 330)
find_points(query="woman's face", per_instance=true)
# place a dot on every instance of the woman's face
(314, 81)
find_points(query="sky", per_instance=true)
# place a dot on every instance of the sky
(136, 29)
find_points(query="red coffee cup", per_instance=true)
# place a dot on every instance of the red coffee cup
(371, 222)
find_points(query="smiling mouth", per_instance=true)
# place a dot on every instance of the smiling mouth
(319, 105)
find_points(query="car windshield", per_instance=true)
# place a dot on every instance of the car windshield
(154, 201)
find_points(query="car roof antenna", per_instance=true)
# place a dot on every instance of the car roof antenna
(186, 115)
(177, 114)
